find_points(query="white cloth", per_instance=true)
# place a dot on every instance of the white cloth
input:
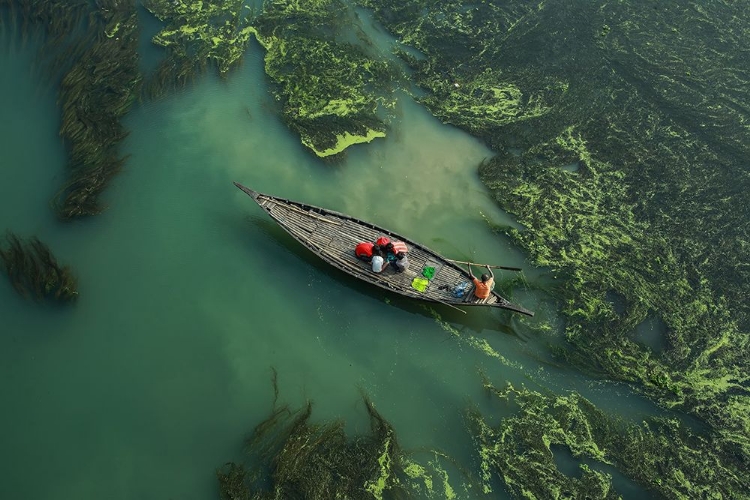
(377, 264)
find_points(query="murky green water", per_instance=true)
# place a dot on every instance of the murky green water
(190, 294)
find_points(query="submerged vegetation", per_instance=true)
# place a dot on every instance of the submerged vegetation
(95, 94)
(289, 456)
(34, 272)
(93, 49)
(622, 143)
(333, 92)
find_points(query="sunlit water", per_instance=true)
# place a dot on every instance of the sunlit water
(190, 294)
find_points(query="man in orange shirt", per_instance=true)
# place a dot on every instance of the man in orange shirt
(483, 288)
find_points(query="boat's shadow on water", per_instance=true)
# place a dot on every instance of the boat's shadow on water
(476, 319)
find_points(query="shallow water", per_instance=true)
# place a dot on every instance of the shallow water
(190, 294)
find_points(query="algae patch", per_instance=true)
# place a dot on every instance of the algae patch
(91, 50)
(196, 34)
(647, 102)
(660, 454)
(334, 94)
(344, 141)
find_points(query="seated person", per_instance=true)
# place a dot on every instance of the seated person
(382, 241)
(483, 288)
(389, 252)
(399, 246)
(402, 262)
(363, 251)
(378, 262)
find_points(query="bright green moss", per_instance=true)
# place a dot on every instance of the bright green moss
(334, 94)
(378, 485)
(416, 471)
(343, 142)
(483, 101)
(196, 34)
(661, 455)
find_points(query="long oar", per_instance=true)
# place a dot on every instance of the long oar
(485, 265)
(449, 305)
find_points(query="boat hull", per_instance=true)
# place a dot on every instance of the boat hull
(333, 235)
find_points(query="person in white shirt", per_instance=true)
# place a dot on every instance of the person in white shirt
(378, 262)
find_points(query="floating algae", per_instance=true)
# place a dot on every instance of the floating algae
(34, 271)
(585, 229)
(333, 93)
(197, 33)
(649, 103)
(98, 62)
(288, 456)
(660, 454)
(461, 43)
(477, 343)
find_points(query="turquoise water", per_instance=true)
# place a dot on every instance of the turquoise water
(190, 294)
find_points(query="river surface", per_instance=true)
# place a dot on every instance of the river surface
(190, 294)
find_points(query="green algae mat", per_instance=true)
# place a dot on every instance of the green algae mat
(645, 103)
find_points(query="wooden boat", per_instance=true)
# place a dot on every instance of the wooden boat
(333, 236)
